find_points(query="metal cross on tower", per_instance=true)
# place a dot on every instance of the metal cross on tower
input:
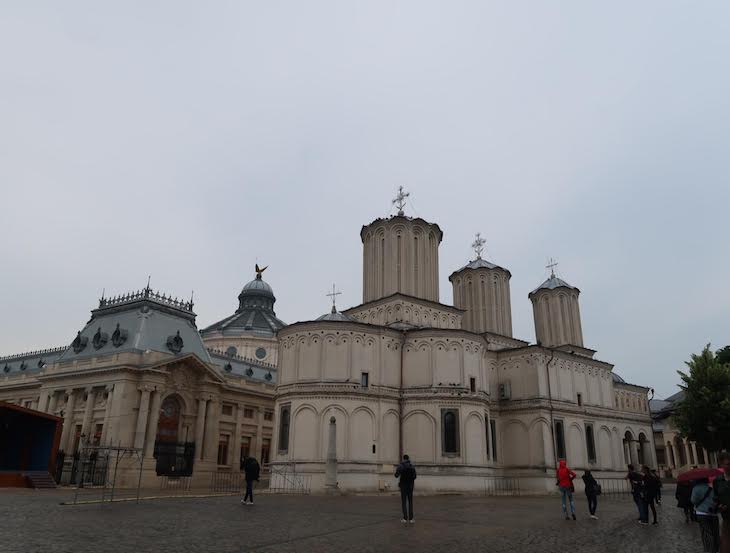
(478, 244)
(551, 265)
(400, 200)
(333, 294)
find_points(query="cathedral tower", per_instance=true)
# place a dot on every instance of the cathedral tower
(557, 315)
(482, 290)
(400, 254)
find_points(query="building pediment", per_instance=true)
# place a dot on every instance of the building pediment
(188, 371)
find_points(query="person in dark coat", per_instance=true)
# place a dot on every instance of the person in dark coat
(659, 491)
(406, 473)
(592, 490)
(721, 498)
(251, 471)
(684, 500)
(636, 479)
(651, 491)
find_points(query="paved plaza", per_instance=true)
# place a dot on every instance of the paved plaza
(34, 521)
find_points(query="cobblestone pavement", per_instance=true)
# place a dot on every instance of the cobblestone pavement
(34, 521)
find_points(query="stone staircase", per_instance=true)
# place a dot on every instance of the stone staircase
(40, 480)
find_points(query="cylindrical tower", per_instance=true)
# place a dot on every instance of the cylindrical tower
(557, 315)
(400, 254)
(482, 289)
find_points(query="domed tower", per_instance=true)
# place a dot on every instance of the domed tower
(556, 311)
(251, 330)
(400, 254)
(482, 290)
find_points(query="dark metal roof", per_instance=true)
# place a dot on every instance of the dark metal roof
(479, 263)
(29, 362)
(552, 283)
(244, 367)
(335, 315)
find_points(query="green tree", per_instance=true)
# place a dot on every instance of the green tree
(723, 355)
(704, 413)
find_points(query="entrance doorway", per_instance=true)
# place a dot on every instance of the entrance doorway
(174, 458)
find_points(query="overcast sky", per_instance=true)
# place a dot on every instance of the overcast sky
(189, 140)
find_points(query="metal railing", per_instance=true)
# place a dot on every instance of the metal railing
(174, 485)
(615, 487)
(227, 482)
(500, 485)
(287, 480)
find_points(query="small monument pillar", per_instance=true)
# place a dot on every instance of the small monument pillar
(330, 481)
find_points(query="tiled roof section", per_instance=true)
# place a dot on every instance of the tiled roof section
(29, 362)
(552, 283)
(243, 367)
(478, 263)
(138, 322)
(250, 320)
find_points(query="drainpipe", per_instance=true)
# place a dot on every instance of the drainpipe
(550, 406)
(400, 396)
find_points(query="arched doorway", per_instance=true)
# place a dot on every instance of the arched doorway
(174, 458)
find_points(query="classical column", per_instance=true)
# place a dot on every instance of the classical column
(686, 452)
(211, 431)
(88, 414)
(489, 440)
(694, 453)
(105, 434)
(707, 457)
(68, 420)
(43, 401)
(200, 428)
(142, 416)
(52, 402)
(330, 481)
(236, 464)
(259, 433)
(149, 447)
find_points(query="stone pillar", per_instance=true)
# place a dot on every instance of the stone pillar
(236, 463)
(88, 415)
(707, 457)
(489, 440)
(149, 447)
(330, 481)
(43, 401)
(68, 421)
(52, 402)
(200, 428)
(694, 454)
(686, 451)
(107, 414)
(211, 431)
(142, 416)
(259, 433)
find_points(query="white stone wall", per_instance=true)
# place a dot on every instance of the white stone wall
(485, 296)
(403, 310)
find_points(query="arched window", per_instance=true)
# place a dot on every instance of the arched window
(450, 437)
(590, 444)
(560, 439)
(284, 429)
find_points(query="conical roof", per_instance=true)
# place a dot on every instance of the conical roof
(335, 315)
(552, 283)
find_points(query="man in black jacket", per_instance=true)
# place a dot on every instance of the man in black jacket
(251, 470)
(406, 473)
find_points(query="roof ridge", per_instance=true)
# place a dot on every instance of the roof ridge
(33, 353)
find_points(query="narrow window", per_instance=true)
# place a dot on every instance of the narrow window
(265, 448)
(245, 448)
(364, 380)
(223, 449)
(590, 444)
(486, 431)
(493, 428)
(284, 429)
(580, 400)
(450, 436)
(473, 384)
(560, 439)
(227, 410)
(248, 413)
(268, 415)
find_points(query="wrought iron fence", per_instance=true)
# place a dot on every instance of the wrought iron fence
(227, 482)
(500, 485)
(174, 485)
(286, 480)
(614, 487)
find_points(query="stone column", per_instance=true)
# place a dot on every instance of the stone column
(43, 401)
(107, 413)
(88, 415)
(200, 428)
(686, 451)
(259, 434)
(68, 421)
(142, 416)
(330, 481)
(488, 434)
(707, 457)
(149, 447)
(694, 454)
(236, 464)
(211, 431)
(52, 402)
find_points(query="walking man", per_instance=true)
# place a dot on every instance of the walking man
(251, 471)
(406, 473)
(636, 480)
(592, 489)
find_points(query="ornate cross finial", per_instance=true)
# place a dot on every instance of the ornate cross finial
(400, 200)
(478, 244)
(333, 294)
(551, 265)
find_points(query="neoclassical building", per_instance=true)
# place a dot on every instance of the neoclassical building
(449, 385)
(140, 375)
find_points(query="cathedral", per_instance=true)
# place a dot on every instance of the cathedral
(342, 397)
(449, 385)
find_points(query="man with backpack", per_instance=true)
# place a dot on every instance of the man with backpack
(251, 471)
(406, 473)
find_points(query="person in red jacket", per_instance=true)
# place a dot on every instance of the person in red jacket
(565, 478)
